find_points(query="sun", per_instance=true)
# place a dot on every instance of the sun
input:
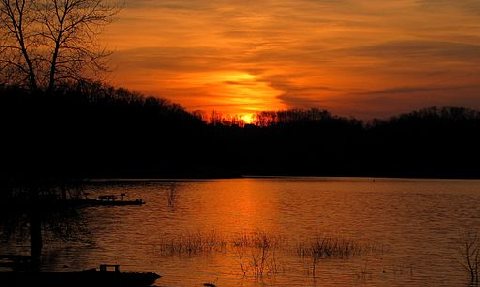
(248, 118)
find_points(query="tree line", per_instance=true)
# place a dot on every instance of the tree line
(57, 121)
(91, 130)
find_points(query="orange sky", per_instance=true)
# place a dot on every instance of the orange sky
(362, 58)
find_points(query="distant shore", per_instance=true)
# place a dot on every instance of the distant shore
(96, 132)
(287, 177)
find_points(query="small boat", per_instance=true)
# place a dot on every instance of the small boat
(109, 200)
(113, 200)
(92, 277)
(103, 200)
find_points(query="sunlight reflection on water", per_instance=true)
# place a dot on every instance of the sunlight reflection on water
(414, 224)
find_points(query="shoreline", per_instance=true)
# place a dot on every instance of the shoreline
(280, 177)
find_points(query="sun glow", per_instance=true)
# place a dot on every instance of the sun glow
(240, 94)
(248, 118)
(237, 59)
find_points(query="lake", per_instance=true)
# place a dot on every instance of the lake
(254, 231)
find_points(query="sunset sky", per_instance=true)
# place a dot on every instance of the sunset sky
(362, 58)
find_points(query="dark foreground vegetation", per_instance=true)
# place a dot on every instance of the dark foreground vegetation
(95, 131)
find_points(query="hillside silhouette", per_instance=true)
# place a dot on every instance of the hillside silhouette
(90, 130)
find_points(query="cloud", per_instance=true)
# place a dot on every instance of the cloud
(467, 6)
(383, 103)
(177, 59)
(406, 90)
(168, 4)
(351, 56)
(416, 49)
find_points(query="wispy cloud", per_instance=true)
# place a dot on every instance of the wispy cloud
(468, 6)
(420, 49)
(351, 56)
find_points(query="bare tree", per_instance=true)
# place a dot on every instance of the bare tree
(470, 256)
(52, 41)
(16, 21)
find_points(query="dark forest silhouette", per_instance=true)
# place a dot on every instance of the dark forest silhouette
(56, 124)
(90, 130)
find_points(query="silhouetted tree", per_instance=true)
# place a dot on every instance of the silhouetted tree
(49, 41)
(18, 40)
(90, 129)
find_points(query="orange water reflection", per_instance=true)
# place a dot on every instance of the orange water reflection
(417, 224)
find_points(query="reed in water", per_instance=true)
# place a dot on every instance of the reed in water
(257, 253)
(322, 247)
(191, 244)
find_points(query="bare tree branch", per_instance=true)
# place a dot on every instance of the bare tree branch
(46, 41)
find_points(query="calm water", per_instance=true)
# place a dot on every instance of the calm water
(413, 230)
